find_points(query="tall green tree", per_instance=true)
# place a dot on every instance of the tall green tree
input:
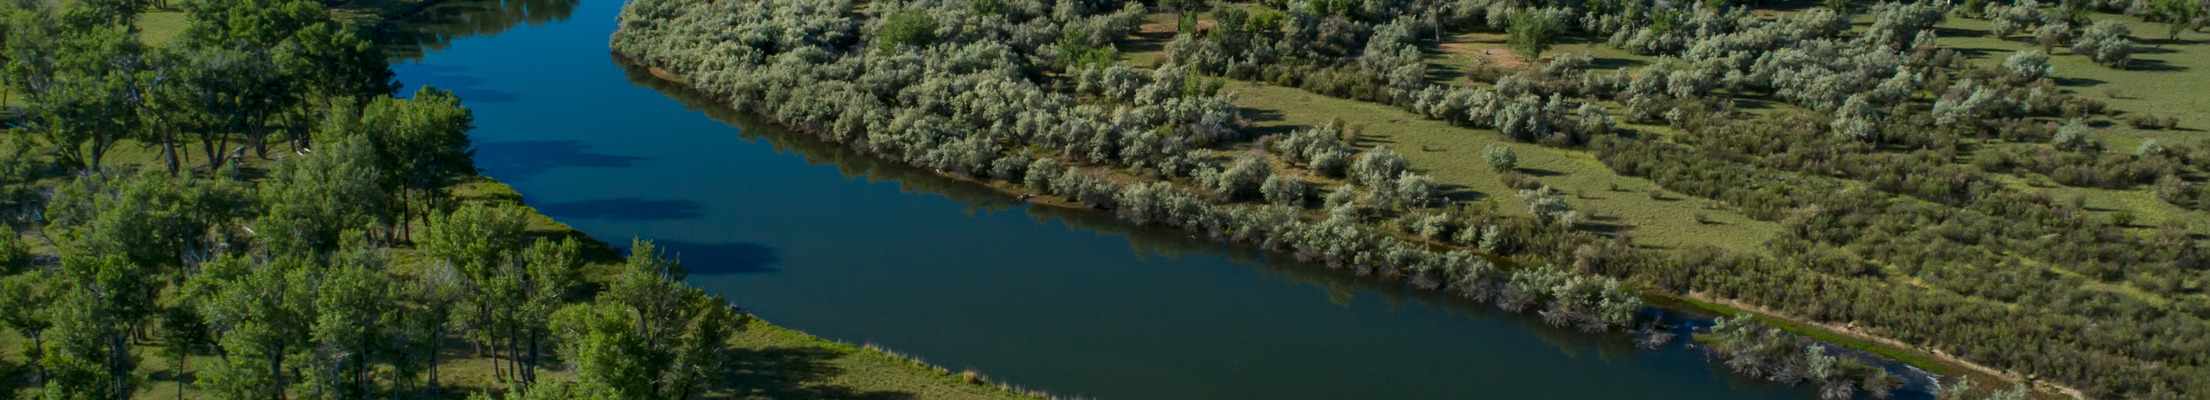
(647, 336)
(356, 323)
(423, 142)
(260, 314)
(89, 349)
(24, 299)
(92, 99)
(1531, 33)
(312, 200)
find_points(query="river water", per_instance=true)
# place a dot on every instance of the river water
(816, 238)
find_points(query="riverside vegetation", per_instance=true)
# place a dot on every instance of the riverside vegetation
(1890, 159)
(325, 239)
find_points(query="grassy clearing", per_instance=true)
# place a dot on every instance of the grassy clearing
(161, 27)
(1453, 156)
(2165, 77)
(1449, 61)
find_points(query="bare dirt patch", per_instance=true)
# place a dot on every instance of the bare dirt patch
(1484, 50)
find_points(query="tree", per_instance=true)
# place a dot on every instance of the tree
(260, 315)
(1243, 180)
(1842, 7)
(2178, 15)
(1378, 167)
(647, 336)
(1856, 119)
(1500, 158)
(93, 100)
(14, 254)
(1545, 202)
(314, 198)
(356, 320)
(88, 349)
(121, 14)
(1531, 33)
(2027, 66)
(2073, 136)
(2106, 43)
(1285, 189)
(422, 143)
(906, 28)
(24, 299)
(219, 94)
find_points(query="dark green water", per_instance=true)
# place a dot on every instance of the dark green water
(813, 237)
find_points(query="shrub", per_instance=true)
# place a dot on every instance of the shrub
(2121, 218)
(2027, 66)
(2148, 147)
(906, 28)
(1500, 158)
(2106, 43)
(1378, 166)
(1240, 181)
(2143, 121)
(2073, 136)
(1284, 189)
(1544, 202)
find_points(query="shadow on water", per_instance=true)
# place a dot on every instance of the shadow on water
(438, 26)
(518, 161)
(624, 209)
(1341, 286)
(728, 258)
(454, 79)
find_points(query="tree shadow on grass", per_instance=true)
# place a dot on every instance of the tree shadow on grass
(2070, 81)
(1459, 193)
(2153, 66)
(1539, 172)
(792, 373)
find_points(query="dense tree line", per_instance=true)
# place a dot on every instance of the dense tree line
(301, 274)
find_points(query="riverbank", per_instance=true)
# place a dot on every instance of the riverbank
(777, 362)
(1011, 189)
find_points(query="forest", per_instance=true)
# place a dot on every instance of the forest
(250, 208)
(1926, 194)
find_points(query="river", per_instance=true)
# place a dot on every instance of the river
(817, 238)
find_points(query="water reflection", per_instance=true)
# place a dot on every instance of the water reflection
(436, 27)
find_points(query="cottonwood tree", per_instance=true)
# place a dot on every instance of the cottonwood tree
(647, 336)
(313, 199)
(89, 350)
(91, 100)
(420, 142)
(1531, 33)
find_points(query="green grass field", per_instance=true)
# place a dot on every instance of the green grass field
(2166, 77)
(1452, 155)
